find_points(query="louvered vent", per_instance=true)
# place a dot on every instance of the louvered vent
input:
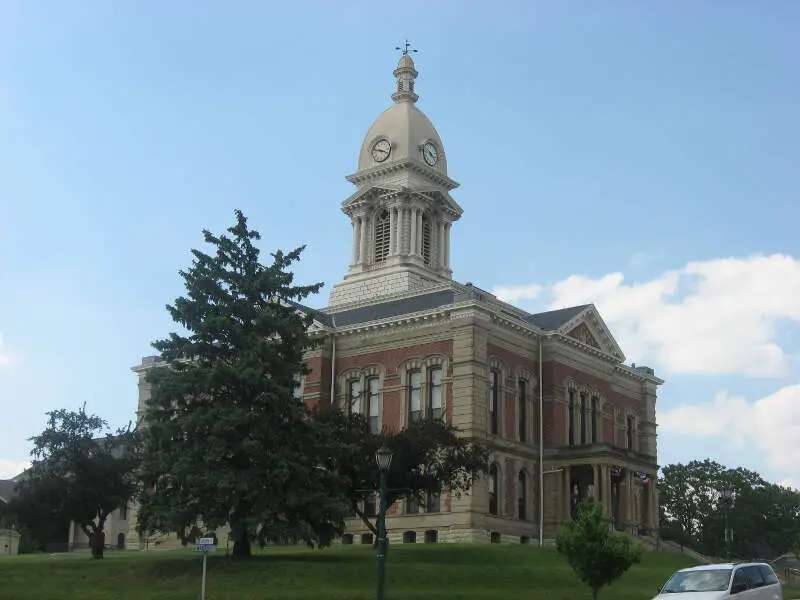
(382, 230)
(426, 240)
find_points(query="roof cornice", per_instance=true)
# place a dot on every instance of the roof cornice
(379, 172)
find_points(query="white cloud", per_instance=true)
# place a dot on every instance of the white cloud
(771, 425)
(518, 293)
(4, 358)
(724, 322)
(9, 468)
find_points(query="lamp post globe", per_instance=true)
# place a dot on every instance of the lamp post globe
(383, 456)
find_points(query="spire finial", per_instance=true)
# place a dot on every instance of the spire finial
(405, 73)
(406, 48)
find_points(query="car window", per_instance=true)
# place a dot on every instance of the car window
(740, 577)
(754, 573)
(702, 580)
(768, 574)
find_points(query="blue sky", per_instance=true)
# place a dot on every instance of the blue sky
(643, 156)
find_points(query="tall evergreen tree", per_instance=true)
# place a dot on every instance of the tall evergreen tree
(226, 440)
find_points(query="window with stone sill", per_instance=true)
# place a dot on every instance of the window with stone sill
(522, 495)
(522, 411)
(382, 236)
(493, 489)
(414, 396)
(412, 505)
(373, 404)
(595, 408)
(354, 396)
(435, 393)
(494, 402)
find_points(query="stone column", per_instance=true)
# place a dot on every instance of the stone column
(442, 245)
(447, 246)
(566, 494)
(392, 231)
(414, 240)
(362, 253)
(628, 516)
(609, 491)
(356, 231)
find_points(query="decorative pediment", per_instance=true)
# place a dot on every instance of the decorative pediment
(588, 328)
(583, 334)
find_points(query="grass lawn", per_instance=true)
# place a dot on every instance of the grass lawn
(435, 572)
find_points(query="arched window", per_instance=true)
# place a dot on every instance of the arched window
(410, 537)
(571, 418)
(414, 396)
(426, 240)
(494, 401)
(373, 405)
(382, 229)
(595, 433)
(522, 495)
(435, 393)
(493, 489)
(583, 419)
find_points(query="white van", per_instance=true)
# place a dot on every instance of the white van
(745, 581)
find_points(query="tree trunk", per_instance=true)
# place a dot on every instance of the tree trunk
(595, 593)
(241, 543)
(97, 542)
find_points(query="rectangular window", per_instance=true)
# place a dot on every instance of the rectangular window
(629, 433)
(583, 419)
(493, 490)
(354, 396)
(571, 418)
(436, 393)
(412, 505)
(522, 496)
(414, 396)
(594, 420)
(433, 502)
(494, 423)
(373, 405)
(523, 411)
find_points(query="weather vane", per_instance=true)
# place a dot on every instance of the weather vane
(405, 48)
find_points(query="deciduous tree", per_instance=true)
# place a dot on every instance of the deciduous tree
(80, 471)
(597, 555)
(226, 440)
(429, 457)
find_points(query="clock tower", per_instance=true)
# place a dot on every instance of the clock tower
(401, 211)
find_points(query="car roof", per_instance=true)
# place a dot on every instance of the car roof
(727, 565)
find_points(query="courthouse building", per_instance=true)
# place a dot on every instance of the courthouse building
(550, 394)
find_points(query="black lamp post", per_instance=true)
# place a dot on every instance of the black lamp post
(384, 459)
(726, 497)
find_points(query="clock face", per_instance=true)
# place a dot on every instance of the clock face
(430, 153)
(381, 150)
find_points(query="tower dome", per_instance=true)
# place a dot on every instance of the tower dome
(403, 131)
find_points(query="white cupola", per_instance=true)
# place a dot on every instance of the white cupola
(401, 212)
